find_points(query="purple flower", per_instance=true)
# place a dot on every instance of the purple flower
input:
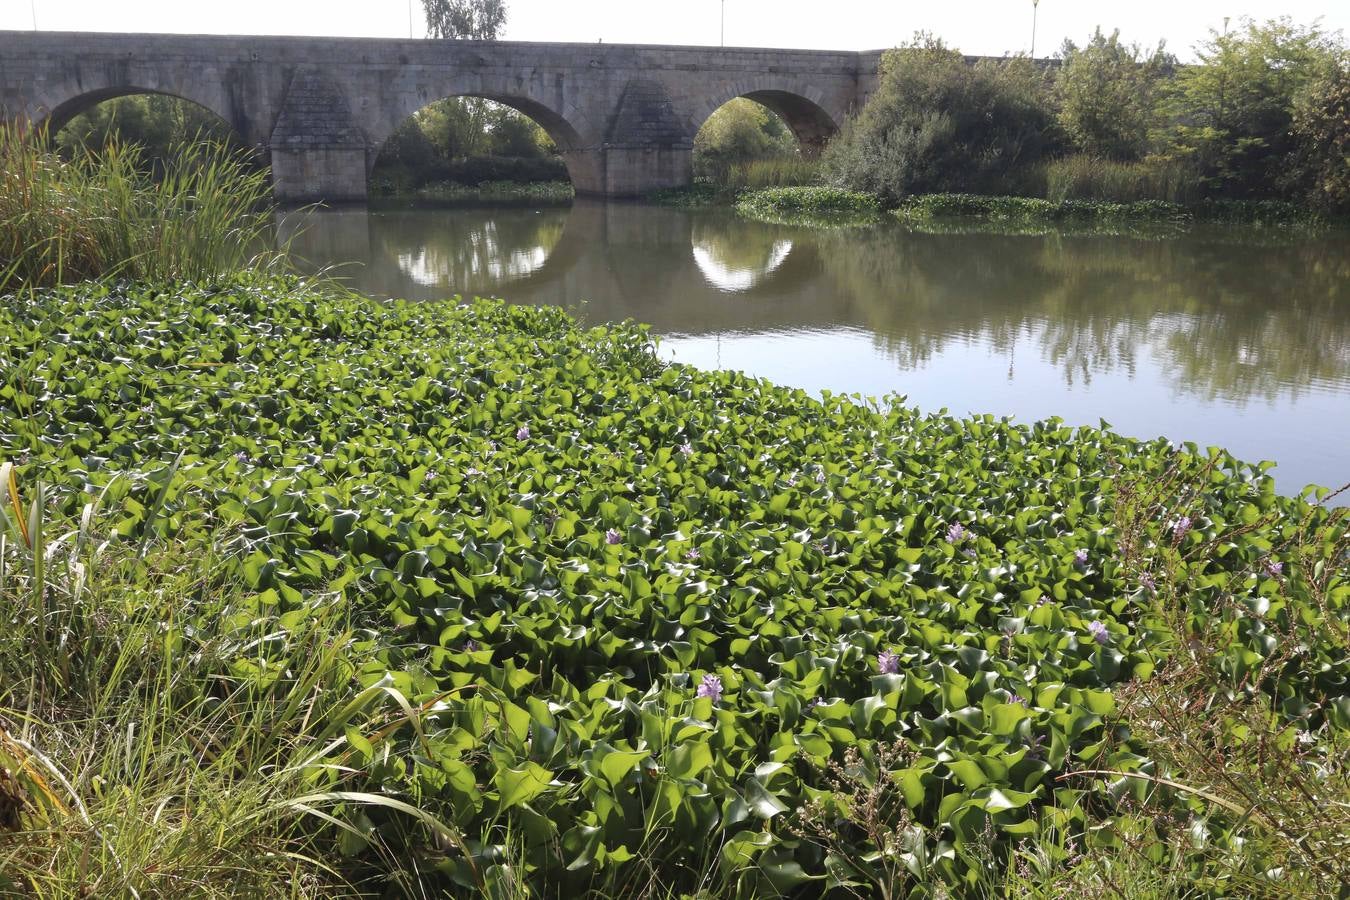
(471, 471)
(492, 445)
(241, 456)
(1098, 632)
(430, 476)
(710, 686)
(686, 449)
(1181, 528)
(1042, 600)
(1018, 699)
(523, 433)
(956, 533)
(470, 646)
(692, 554)
(612, 537)
(814, 702)
(820, 476)
(888, 662)
(1274, 568)
(1149, 584)
(1080, 558)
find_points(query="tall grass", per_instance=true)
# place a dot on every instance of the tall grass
(102, 214)
(1090, 178)
(162, 731)
(788, 171)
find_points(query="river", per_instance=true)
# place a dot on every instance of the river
(1229, 337)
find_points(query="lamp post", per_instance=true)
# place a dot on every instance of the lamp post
(1035, 8)
(724, 23)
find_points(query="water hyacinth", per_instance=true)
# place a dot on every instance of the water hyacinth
(1080, 558)
(956, 533)
(686, 449)
(1098, 632)
(523, 433)
(710, 687)
(888, 663)
(1181, 528)
(693, 554)
(613, 537)
(1274, 568)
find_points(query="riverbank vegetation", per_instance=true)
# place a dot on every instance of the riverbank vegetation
(1259, 118)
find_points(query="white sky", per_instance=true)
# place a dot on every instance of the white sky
(992, 27)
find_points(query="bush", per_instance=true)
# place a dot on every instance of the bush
(938, 123)
(1090, 178)
(1321, 128)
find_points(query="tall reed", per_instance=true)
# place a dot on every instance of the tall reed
(1090, 178)
(102, 214)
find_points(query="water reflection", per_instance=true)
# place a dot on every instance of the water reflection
(1222, 337)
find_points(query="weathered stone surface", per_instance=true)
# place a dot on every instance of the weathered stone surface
(623, 116)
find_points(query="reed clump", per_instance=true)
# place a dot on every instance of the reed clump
(206, 213)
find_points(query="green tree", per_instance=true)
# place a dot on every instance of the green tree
(1321, 131)
(1107, 93)
(476, 20)
(1232, 115)
(940, 123)
(739, 132)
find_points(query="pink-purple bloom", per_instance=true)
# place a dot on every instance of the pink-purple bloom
(888, 662)
(1181, 528)
(523, 433)
(1081, 558)
(692, 554)
(1098, 632)
(1149, 584)
(1274, 568)
(686, 449)
(612, 537)
(956, 533)
(711, 687)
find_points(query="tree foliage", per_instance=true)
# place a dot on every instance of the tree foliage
(1232, 114)
(161, 125)
(1321, 127)
(740, 132)
(1107, 94)
(476, 20)
(940, 123)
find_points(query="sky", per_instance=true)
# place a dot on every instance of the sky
(988, 27)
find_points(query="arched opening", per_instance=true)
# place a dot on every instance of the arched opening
(762, 139)
(477, 147)
(162, 126)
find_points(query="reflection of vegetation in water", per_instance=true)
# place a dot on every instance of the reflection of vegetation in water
(1260, 321)
(473, 252)
(733, 258)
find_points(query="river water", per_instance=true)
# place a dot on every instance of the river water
(1237, 338)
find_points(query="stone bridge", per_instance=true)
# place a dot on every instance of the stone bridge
(320, 109)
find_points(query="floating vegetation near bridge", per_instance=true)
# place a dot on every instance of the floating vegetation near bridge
(483, 600)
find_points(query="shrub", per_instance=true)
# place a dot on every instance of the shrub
(1321, 128)
(939, 123)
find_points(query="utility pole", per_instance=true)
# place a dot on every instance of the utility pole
(32, 5)
(1035, 8)
(724, 23)
(410, 20)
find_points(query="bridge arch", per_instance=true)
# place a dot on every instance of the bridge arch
(806, 110)
(564, 127)
(69, 101)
